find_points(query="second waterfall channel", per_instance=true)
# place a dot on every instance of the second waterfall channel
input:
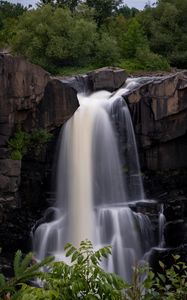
(96, 179)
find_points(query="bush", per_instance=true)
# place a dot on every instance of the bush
(38, 139)
(179, 59)
(23, 142)
(83, 278)
(150, 60)
(54, 37)
(107, 51)
(18, 144)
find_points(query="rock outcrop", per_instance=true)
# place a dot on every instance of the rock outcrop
(159, 114)
(30, 98)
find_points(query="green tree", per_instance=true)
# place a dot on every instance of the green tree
(128, 12)
(71, 4)
(166, 28)
(53, 38)
(134, 38)
(103, 8)
(9, 14)
(108, 52)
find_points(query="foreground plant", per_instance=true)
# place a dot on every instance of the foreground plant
(24, 270)
(83, 278)
(170, 284)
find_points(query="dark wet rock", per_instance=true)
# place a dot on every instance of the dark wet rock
(174, 233)
(166, 256)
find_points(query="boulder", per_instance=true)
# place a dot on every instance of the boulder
(58, 104)
(108, 78)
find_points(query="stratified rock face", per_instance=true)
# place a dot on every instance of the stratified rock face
(159, 113)
(31, 98)
(21, 88)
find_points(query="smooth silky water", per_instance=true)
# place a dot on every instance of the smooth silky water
(95, 182)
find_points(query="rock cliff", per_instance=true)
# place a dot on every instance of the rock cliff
(33, 99)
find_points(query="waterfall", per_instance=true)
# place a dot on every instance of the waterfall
(161, 221)
(93, 188)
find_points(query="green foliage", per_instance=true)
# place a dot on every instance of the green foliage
(9, 14)
(53, 38)
(83, 278)
(128, 12)
(18, 144)
(22, 142)
(37, 140)
(166, 29)
(133, 39)
(108, 52)
(103, 9)
(150, 60)
(71, 4)
(171, 284)
(24, 270)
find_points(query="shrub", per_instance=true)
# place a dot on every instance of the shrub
(24, 270)
(38, 139)
(83, 278)
(23, 142)
(150, 60)
(18, 144)
(107, 51)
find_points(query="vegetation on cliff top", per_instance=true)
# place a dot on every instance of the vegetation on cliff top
(63, 34)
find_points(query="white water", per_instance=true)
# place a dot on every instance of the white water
(92, 193)
(162, 222)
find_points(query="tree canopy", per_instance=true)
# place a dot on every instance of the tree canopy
(78, 33)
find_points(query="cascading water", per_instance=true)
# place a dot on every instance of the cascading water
(161, 221)
(92, 194)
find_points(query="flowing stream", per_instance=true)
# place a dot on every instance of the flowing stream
(95, 182)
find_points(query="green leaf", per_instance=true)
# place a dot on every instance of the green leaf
(75, 256)
(70, 251)
(17, 262)
(161, 264)
(2, 280)
(67, 246)
(162, 277)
